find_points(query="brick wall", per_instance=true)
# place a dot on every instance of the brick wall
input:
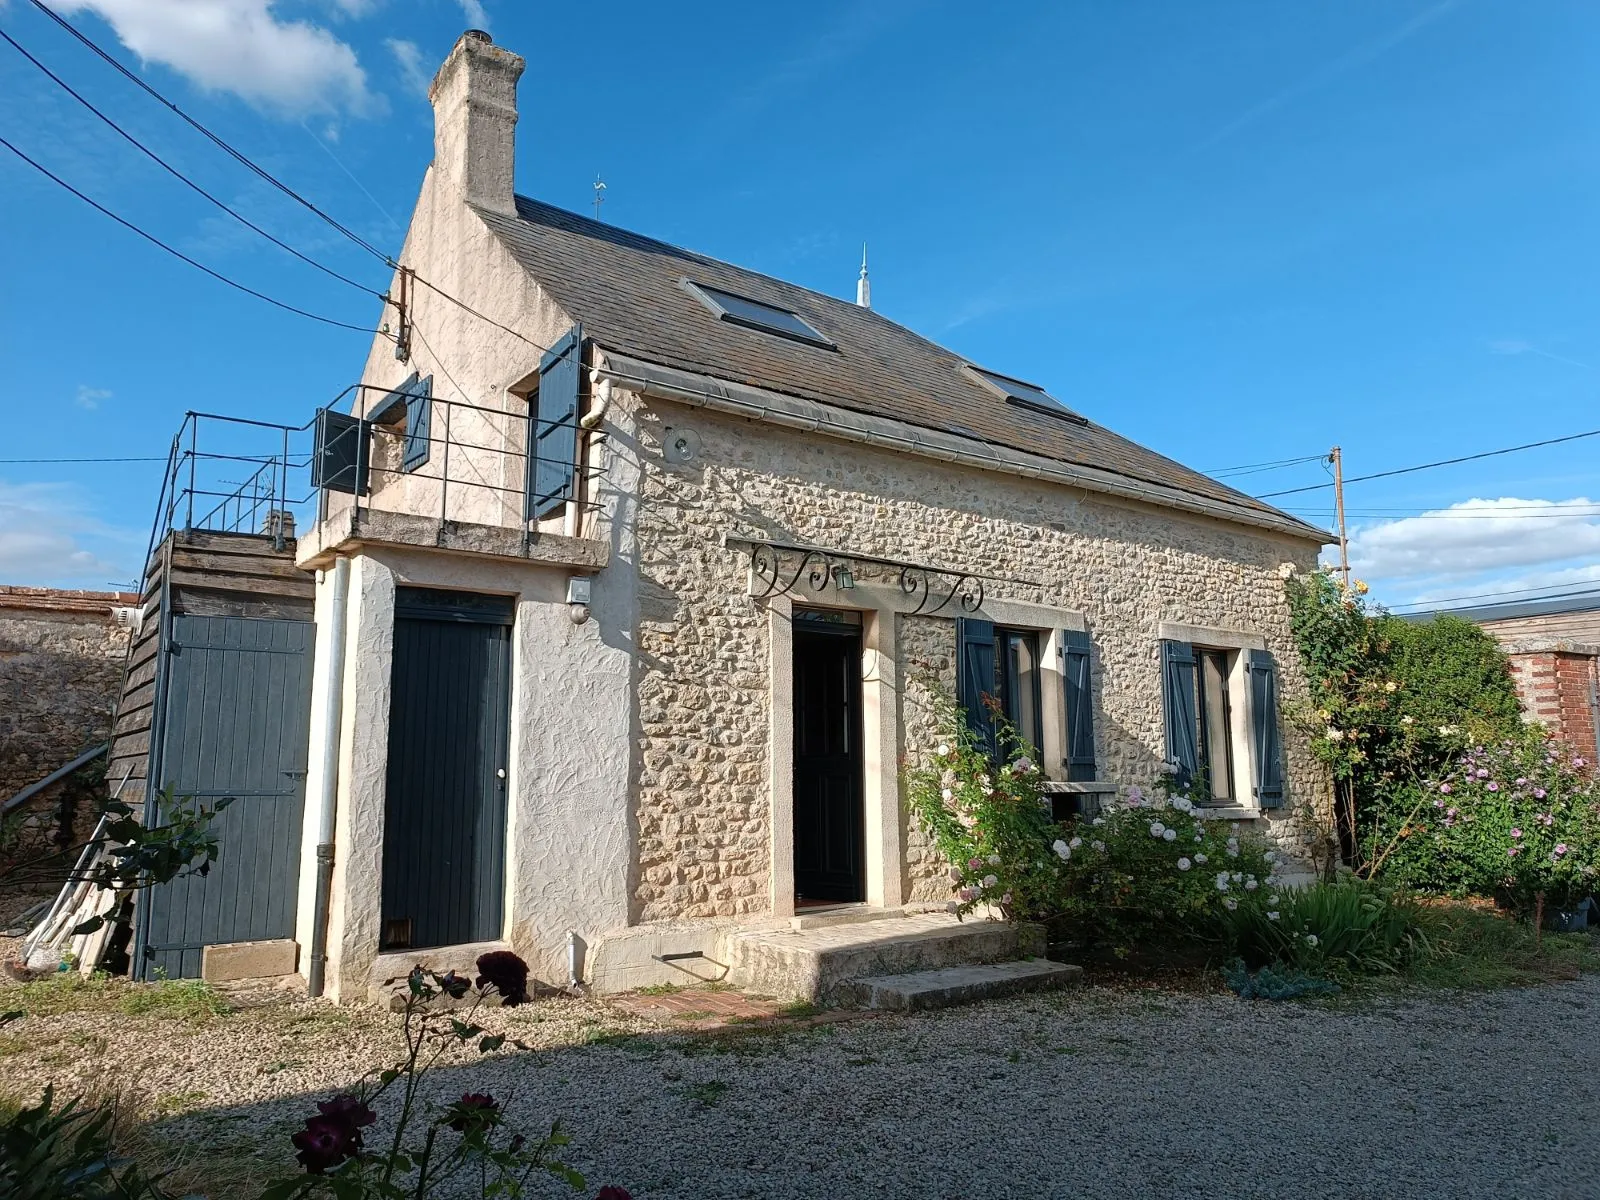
(1559, 683)
(61, 655)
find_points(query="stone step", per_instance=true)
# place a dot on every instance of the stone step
(855, 914)
(820, 965)
(947, 986)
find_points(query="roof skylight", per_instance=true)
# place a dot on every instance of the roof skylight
(754, 314)
(1027, 395)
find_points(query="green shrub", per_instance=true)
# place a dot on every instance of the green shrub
(990, 822)
(1349, 927)
(1510, 819)
(1275, 982)
(67, 1153)
(1390, 704)
(1155, 869)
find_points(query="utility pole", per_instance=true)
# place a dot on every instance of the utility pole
(1337, 459)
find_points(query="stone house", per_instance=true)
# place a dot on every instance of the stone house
(639, 575)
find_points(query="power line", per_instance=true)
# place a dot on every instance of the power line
(179, 175)
(14, 461)
(1528, 593)
(179, 254)
(1447, 462)
(227, 149)
(1257, 468)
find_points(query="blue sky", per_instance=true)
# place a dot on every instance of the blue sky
(1236, 231)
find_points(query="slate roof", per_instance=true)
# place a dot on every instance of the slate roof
(625, 290)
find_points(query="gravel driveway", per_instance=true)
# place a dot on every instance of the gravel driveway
(1093, 1093)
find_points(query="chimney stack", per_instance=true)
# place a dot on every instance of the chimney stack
(474, 98)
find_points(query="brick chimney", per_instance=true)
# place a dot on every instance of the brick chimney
(474, 99)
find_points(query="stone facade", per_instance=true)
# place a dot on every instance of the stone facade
(704, 696)
(61, 655)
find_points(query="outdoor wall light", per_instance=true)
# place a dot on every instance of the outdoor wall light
(842, 577)
(578, 598)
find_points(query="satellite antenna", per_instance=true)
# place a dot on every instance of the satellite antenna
(599, 195)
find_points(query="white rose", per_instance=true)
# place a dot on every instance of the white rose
(989, 881)
(942, 750)
(1183, 864)
(1157, 828)
(1063, 851)
(1170, 835)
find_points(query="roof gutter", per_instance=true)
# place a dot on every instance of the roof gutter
(810, 416)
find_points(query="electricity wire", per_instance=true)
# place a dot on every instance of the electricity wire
(179, 175)
(179, 254)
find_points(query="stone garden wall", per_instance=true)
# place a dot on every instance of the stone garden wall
(61, 657)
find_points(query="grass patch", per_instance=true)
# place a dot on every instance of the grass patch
(1480, 948)
(189, 1000)
(662, 989)
(799, 1009)
(708, 1094)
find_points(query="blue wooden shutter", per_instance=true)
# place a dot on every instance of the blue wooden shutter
(419, 423)
(340, 458)
(975, 676)
(1178, 701)
(1264, 729)
(553, 427)
(1079, 759)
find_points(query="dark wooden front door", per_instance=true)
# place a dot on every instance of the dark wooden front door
(445, 812)
(829, 819)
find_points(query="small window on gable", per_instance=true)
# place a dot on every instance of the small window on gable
(1026, 395)
(755, 314)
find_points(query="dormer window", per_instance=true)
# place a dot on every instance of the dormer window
(1025, 395)
(755, 314)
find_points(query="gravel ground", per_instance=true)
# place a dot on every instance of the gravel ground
(1092, 1093)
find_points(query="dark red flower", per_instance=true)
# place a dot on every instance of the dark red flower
(334, 1135)
(348, 1109)
(325, 1142)
(473, 1111)
(508, 974)
(612, 1192)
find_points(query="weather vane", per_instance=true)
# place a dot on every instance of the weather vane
(599, 195)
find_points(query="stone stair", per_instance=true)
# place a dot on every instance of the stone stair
(923, 960)
(945, 986)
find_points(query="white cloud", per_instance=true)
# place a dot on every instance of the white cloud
(1509, 589)
(409, 57)
(90, 397)
(1514, 347)
(1477, 536)
(48, 538)
(354, 8)
(290, 68)
(474, 12)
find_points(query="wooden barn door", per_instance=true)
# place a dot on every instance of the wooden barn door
(236, 720)
(444, 839)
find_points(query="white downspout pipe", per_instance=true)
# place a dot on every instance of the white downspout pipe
(328, 793)
(588, 423)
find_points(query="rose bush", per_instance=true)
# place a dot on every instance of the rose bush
(990, 821)
(1146, 868)
(1155, 868)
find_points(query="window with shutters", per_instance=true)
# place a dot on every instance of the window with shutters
(1214, 716)
(1039, 681)
(1222, 734)
(1017, 682)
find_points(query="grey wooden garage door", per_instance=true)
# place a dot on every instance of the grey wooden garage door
(237, 706)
